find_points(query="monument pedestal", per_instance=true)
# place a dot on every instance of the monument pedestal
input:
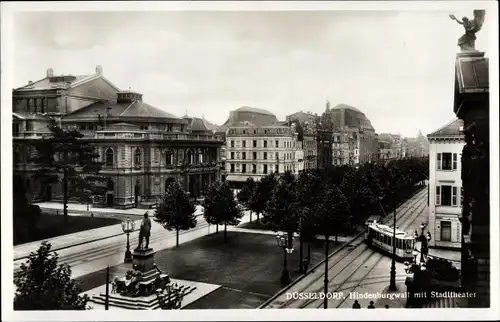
(152, 278)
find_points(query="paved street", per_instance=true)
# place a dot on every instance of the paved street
(248, 267)
(364, 272)
(96, 255)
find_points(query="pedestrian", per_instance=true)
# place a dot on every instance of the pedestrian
(356, 305)
(387, 306)
(371, 306)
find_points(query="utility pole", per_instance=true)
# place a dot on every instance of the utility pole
(106, 303)
(392, 285)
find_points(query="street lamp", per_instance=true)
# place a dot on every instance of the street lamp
(128, 226)
(286, 243)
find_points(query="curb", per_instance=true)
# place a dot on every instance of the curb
(283, 290)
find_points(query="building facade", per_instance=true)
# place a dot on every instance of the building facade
(256, 151)
(445, 185)
(354, 140)
(471, 104)
(306, 125)
(142, 148)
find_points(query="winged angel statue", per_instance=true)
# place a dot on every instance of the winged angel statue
(468, 40)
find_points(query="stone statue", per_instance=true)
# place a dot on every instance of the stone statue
(468, 40)
(145, 231)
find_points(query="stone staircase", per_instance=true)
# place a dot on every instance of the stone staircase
(137, 303)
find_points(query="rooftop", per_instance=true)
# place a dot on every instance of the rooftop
(126, 110)
(454, 128)
(254, 110)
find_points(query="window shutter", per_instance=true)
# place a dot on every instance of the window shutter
(438, 162)
(454, 161)
(461, 196)
(454, 196)
(438, 195)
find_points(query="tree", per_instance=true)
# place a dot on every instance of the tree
(25, 215)
(282, 209)
(331, 212)
(262, 194)
(42, 284)
(220, 206)
(64, 157)
(176, 210)
(246, 193)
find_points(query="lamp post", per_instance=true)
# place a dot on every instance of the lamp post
(285, 243)
(128, 226)
(392, 285)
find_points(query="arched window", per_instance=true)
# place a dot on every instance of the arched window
(200, 156)
(190, 157)
(109, 157)
(137, 157)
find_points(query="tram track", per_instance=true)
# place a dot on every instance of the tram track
(358, 251)
(369, 256)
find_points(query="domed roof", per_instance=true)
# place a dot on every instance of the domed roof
(254, 110)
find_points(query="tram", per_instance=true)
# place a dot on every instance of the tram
(381, 237)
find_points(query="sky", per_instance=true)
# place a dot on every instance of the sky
(395, 66)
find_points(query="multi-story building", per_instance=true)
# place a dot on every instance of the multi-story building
(472, 104)
(418, 146)
(142, 147)
(255, 149)
(307, 134)
(354, 140)
(398, 146)
(445, 185)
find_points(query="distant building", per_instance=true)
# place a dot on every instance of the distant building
(445, 185)
(418, 146)
(305, 123)
(258, 144)
(142, 147)
(395, 146)
(354, 140)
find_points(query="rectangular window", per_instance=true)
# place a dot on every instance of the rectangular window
(446, 231)
(244, 143)
(438, 195)
(232, 143)
(243, 168)
(232, 167)
(461, 196)
(265, 144)
(277, 169)
(454, 161)
(244, 155)
(265, 155)
(446, 161)
(277, 155)
(277, 143)
(254, 168)
(454, 196)
(232, 155)
(265, 168)
(446, 195)
(438, 161)
(254, 143)
(255, 155)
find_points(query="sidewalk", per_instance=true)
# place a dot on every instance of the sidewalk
(83, 237)
(82, 208)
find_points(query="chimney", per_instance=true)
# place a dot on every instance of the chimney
(50, 72)
(30, 82)
(98, 70)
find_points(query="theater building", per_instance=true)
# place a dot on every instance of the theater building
(142, 147)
